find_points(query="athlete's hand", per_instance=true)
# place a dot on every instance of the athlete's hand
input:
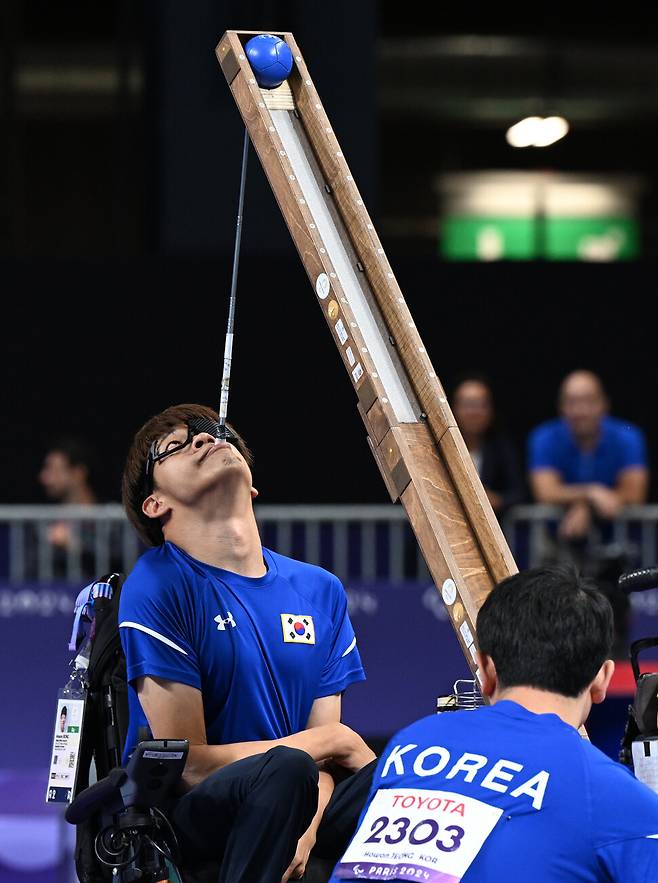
(297, 866)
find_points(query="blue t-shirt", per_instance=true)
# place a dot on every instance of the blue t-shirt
(621, 445)
(260, 650)
(568, 811)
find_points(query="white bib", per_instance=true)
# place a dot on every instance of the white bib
(417, 834)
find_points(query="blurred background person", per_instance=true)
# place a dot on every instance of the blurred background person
(593, 465)
(66, 477)
(586, 460)
(493, 453)
(66, 473)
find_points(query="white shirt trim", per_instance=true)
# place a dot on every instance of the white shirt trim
(350, 648)
(147, 631)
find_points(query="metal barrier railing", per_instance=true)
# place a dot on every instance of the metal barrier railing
(355, 542)
(532, 532)
(92, 540)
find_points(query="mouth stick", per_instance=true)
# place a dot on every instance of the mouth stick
(228, 345)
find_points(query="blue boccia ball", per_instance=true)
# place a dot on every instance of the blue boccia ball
(270, 59)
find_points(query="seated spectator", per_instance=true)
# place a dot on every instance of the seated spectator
(512, 792)
(66, 473)
(66, 477)
(587, 461)
(492, 452)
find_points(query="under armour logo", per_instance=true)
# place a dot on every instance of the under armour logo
(222, 623)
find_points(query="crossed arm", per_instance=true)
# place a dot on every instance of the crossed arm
(175, 711)
(631, 488)
(582, 500)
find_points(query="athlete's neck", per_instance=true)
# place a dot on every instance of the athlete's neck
(572, 711)
(229, 540)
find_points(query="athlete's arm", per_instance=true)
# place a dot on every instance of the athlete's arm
(325, 711)
(175, 711)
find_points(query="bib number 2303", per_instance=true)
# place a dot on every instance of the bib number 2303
(422, 832)
(415, 834)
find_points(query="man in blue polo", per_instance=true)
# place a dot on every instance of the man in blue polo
(512, 792)
(587, 461)
(241, 651)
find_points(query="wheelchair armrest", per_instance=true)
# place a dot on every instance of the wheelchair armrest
(105, 795)
(154, 768)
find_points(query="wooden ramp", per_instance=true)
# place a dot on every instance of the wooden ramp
(411, 430)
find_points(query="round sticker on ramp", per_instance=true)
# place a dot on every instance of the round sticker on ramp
(449, 591)
(322, 286)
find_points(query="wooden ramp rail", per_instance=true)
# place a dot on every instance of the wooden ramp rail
(411, 430)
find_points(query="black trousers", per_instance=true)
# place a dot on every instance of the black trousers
(248, 816)
(342, 813)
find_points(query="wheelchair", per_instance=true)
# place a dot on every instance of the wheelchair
(123, 833)
(134, 839)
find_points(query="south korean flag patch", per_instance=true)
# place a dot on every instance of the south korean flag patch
(298, 628)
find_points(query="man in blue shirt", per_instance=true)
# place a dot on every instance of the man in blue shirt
(241, 651)
(587, 461)
(511, 792)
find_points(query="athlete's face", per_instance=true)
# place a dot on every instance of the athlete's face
(193, 469)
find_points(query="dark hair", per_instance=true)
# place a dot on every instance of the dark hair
(134, 487)
(78, 453)
(63, 711)
(472, 377)
(494, 426)
(547, 628)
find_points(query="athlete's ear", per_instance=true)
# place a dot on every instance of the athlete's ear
(254, 493)
(489, 677)
(599, 686)
(153, 507)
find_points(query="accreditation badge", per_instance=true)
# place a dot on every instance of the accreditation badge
(414, 834)
(65, 755)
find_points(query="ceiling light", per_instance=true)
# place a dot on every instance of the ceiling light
(537, 131)
(552, 129)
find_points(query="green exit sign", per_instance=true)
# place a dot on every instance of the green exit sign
(591, 239)
(527, 238)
